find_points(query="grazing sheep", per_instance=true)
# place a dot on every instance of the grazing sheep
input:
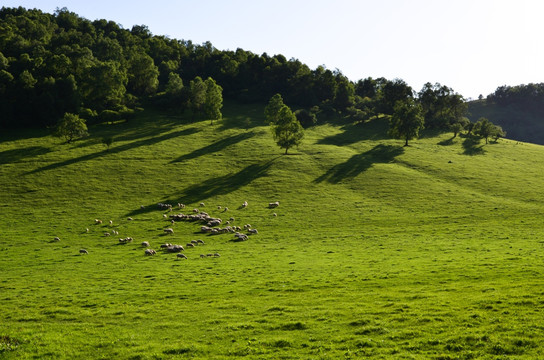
(245, 204)
(196, 211)
(200, 241)
(219, 207)
(273, 204)
(130, 219)
(83, 251)
(169, 231)
(181, 206)
(201, 205)
(142, 207)
(202, 256)
(190, 245)
(194, 242)
(56, 238)
(231, 219)
(274, 214)
(87, 229)
(247, 226)
(216, 255)
(209, 255)
(145, 243)
(164, 246)
(96, 221)
(150, 252)
(225, 209)
(107, 234)
(175, 248)
(182, 256)
(253, 231)
(111, 222)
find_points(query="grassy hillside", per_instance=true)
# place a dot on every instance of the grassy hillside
(520, 123)
(429, 251)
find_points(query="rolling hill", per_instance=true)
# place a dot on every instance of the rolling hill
(377, 250)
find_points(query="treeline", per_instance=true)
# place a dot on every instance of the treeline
(53, 64)
(527, 97)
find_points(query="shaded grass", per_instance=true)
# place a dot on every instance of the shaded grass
(377, 251)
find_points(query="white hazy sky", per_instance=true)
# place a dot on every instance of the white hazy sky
(473, 46)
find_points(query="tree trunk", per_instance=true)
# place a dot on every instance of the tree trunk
(286, 150)
(406, 143)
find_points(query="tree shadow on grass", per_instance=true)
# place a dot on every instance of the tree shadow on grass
(116, 149)
(221, 185)
(447, 142)
(14, 155)
(215, 147)
(360, 163)
(471, 146)
(371, 130)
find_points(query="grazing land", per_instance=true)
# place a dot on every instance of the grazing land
(431, 251)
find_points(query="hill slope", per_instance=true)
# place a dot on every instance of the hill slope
(521, 123)
(432, 250)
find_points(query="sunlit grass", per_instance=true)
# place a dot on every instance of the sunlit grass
(377, 250)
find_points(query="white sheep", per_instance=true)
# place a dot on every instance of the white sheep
(274, 204)
(56, 238)
(182, 256)
(145, 243)
(169, 231)
(245, 204)
(150, 252)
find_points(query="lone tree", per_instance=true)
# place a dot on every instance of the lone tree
(287, 130)
(70, 127)
(407, 120)
(486, 129)
(272, 110)
(214, 100)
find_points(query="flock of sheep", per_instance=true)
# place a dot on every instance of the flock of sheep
(209, 225)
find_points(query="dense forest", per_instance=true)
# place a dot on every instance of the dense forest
(518, 109)
(53, 64)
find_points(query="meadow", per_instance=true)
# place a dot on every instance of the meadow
(431, 251)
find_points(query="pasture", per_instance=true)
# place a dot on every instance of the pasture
(431, 251)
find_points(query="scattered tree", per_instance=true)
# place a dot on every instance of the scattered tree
(70, 127)
(198, 95)
(484, 128)
(287, 130)
(272, 110)
(107, 141)
(214, 100)
(406, 121)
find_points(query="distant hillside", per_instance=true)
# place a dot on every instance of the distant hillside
(518, 109)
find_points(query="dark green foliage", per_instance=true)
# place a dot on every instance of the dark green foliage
(442, 107)
(213, 100)
(70, 127)
(272, 110)
(486, 129)
(107, 141)
(287, 130)
(51, 64)
(306, 118)
(406, 121)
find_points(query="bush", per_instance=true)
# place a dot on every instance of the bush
(305, 118)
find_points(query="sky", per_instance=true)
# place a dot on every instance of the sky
(472, 46)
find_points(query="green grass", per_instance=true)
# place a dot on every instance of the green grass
(432, 251)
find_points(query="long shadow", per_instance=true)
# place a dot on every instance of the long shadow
(372, 130)
(116, 149)
(212, 187)
(471, 146)
(215, 147)
(14, 155)
(238, 116)
(359, 163)
(446, 142)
